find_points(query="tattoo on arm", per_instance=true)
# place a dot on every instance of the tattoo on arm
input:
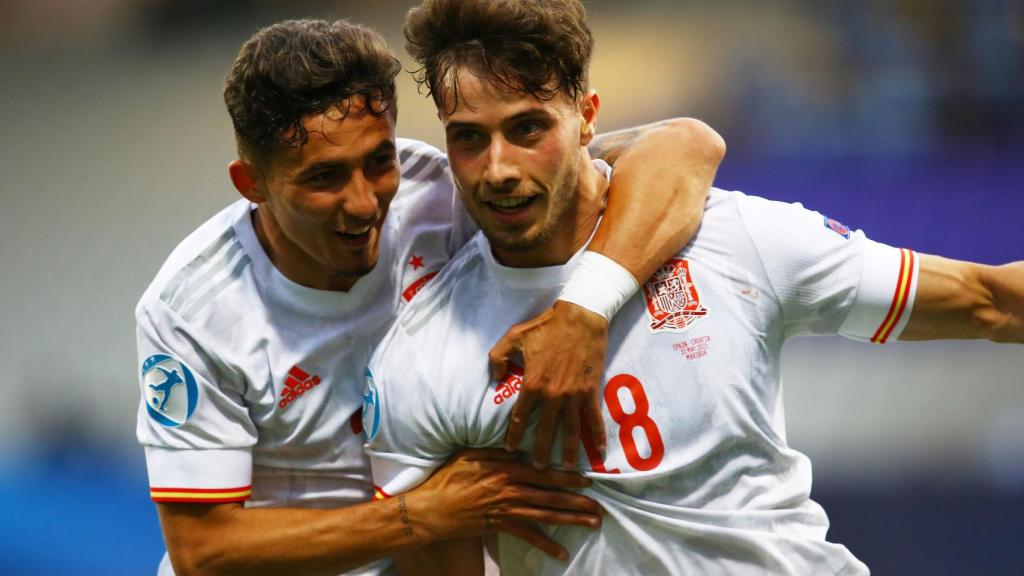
(609, 147)
(403, 512)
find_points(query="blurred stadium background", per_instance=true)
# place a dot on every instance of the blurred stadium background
(901, 117)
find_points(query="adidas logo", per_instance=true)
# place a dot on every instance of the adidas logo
(297, 383)
(509, 385)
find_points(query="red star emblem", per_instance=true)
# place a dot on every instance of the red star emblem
(416, 262)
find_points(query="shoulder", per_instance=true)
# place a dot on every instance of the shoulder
(202, 267)
(419, 163)
(426, 192)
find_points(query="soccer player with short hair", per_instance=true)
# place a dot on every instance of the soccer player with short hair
(698, 477)
(254, 337)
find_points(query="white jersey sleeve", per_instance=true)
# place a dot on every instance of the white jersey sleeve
(830, 279)
(192, 421)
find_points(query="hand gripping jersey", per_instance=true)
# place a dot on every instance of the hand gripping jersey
(252, 384)
(698, 478)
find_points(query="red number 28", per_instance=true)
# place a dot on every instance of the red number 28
(638, 418)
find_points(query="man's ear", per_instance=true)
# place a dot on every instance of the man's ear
(245, 177)
(588, 112)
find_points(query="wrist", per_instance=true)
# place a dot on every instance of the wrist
(419, 527)
(599, 284)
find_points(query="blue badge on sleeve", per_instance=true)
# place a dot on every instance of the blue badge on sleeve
(371, 408)
(837, 227)
(169, 389)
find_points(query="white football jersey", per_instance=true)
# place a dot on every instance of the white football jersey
(698, 477)
(252, 384)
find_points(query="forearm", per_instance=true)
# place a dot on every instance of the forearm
(229, 539)
(459, 557)
(1004, 317)
(661, 180)
(965, 300)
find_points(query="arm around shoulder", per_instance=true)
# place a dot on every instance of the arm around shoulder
(663, 173)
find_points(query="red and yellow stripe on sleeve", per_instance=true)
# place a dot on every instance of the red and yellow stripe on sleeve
(208, 495)
(379, 493)
(899, 298)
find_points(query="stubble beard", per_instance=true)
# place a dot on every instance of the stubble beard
(562, 201)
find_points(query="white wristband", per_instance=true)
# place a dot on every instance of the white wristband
(599, 284)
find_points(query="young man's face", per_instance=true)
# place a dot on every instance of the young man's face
(516, 161)
(325, 201)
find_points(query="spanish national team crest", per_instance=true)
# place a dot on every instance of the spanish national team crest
(371, 408)
(170, 390)
(673, 301)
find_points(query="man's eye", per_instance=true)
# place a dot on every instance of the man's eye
(529, 127)
(384, 160)
(323, 176)
(466, 137)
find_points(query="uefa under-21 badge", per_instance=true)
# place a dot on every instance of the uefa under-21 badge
(371, 408)
(837, 227)
(170, 390)
(673, 302)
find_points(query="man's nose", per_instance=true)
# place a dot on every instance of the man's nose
(361, 200)
(501, 171)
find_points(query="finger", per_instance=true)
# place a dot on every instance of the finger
(501, 352)
(538, 539)
(550, 517)
(571, 438)
(519, 418)
(546, 478)
(543, 500)
(595, 423)
(545, 437)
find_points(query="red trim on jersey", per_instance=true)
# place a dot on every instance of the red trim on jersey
(899, 298)
(379, 493)
(211, 495)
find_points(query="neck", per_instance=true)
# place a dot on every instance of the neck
(575, 228)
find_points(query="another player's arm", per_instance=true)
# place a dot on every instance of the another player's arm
(663, 173)
(957, 299)
(662, 176)
(458, 557)
(477, 491)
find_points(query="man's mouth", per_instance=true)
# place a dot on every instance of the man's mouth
(355, 236)
(511, 205)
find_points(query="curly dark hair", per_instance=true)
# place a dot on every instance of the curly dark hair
(299, 67)
(540, 47)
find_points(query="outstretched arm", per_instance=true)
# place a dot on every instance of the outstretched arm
(957, 299)
(662, 176)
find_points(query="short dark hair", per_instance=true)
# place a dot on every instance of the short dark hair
(540, 47)
(299, 67)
